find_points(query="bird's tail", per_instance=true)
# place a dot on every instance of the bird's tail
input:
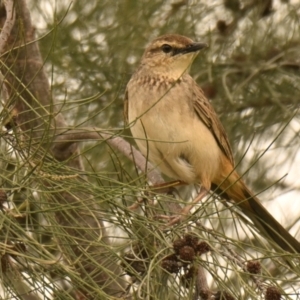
(236, 190)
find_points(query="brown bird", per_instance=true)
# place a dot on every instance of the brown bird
(177, 128)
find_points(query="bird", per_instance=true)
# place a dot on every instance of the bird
(177, 128)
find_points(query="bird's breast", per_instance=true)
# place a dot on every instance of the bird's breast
(167, 130)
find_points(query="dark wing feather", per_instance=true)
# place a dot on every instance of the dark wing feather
(126, 107)
(208, 116)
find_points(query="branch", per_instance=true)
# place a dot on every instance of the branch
(66, 139)
(8, 25)
(202, 288)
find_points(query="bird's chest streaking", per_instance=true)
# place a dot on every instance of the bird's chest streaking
(168, 131)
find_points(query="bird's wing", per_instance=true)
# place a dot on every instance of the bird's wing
(208, 116)
(126, 107)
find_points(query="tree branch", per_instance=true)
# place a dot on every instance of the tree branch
(64, 140)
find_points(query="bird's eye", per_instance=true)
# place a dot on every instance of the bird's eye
(166, 48)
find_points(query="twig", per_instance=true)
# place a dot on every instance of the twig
(202, 288)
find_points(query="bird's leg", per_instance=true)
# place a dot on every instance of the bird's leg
(136, 205)
(185, 211)
(160, 188)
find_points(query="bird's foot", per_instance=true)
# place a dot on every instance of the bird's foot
(173, 220)
(137, 204)
(183, 214)
(161, 188)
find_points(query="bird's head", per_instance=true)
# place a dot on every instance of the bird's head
(171, 55)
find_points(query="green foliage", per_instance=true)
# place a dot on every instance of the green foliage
(250, 73)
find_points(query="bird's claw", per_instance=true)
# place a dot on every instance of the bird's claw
(172, 220)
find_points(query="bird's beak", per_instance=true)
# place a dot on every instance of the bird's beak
(194, 47)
